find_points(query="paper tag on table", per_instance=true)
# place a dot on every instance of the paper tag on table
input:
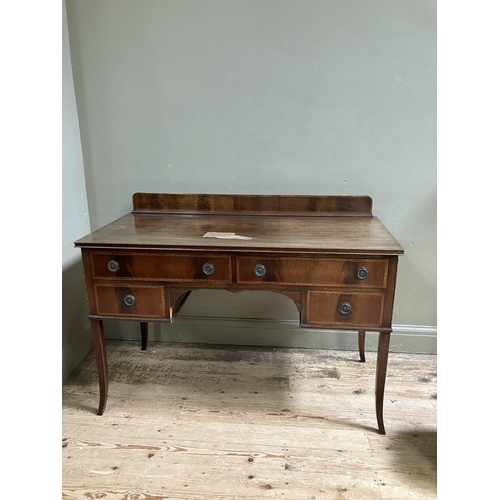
(225, 236)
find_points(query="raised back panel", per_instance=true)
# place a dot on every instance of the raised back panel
(253, 204)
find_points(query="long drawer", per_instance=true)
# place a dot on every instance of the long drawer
(365, 273)
(159, 266)
(325, 308)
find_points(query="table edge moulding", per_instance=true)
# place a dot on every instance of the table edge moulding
(328, 253)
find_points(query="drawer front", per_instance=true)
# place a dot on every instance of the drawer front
(161, 266)
(140, 301)
(344, 309)
(366, 273)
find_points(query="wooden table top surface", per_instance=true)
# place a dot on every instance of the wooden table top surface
(333, 234)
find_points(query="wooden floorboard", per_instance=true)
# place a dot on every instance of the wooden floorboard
(218, 422)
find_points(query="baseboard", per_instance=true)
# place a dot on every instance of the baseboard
(277, 333)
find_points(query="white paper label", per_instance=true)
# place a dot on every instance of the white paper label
(225, 236)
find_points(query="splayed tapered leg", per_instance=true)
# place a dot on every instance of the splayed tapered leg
(144, 335)
(382, 356)
(361, 343)
(101, 361)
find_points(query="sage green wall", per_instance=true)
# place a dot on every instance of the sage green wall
(76, 337)
(260, 96)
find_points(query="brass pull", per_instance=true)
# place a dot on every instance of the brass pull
(129, 300)
(361, 273)
(113, 266)
(344, 308)
(208, 268)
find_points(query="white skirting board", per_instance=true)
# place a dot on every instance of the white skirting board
(268, 332)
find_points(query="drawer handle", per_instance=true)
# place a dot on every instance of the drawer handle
(113, 266)
(361, 273)
(129, 300)
(208, 268)
(344, 308)
(259, 270)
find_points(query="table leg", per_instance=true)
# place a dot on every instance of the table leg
(102, 362)
(144, 335)
(382, 356)
(361, 343)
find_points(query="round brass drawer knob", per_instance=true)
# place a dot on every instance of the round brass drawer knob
(208, 268)
(259, 270)
(113, 266)
(361, 273)
(344, 308)
(129, 300)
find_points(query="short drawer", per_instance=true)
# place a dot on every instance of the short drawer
(161, 266)
(343, 309)
(366, 273)
(135, 300)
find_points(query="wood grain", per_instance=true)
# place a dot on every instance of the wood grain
(360, 235)
(220, 422)
(322, 309)
(149, 300)
(312, 272)
(160, 266)
(252, 204)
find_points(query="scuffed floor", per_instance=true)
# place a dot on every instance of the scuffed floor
(186, 421)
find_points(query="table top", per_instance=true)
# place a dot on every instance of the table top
(335, 234)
